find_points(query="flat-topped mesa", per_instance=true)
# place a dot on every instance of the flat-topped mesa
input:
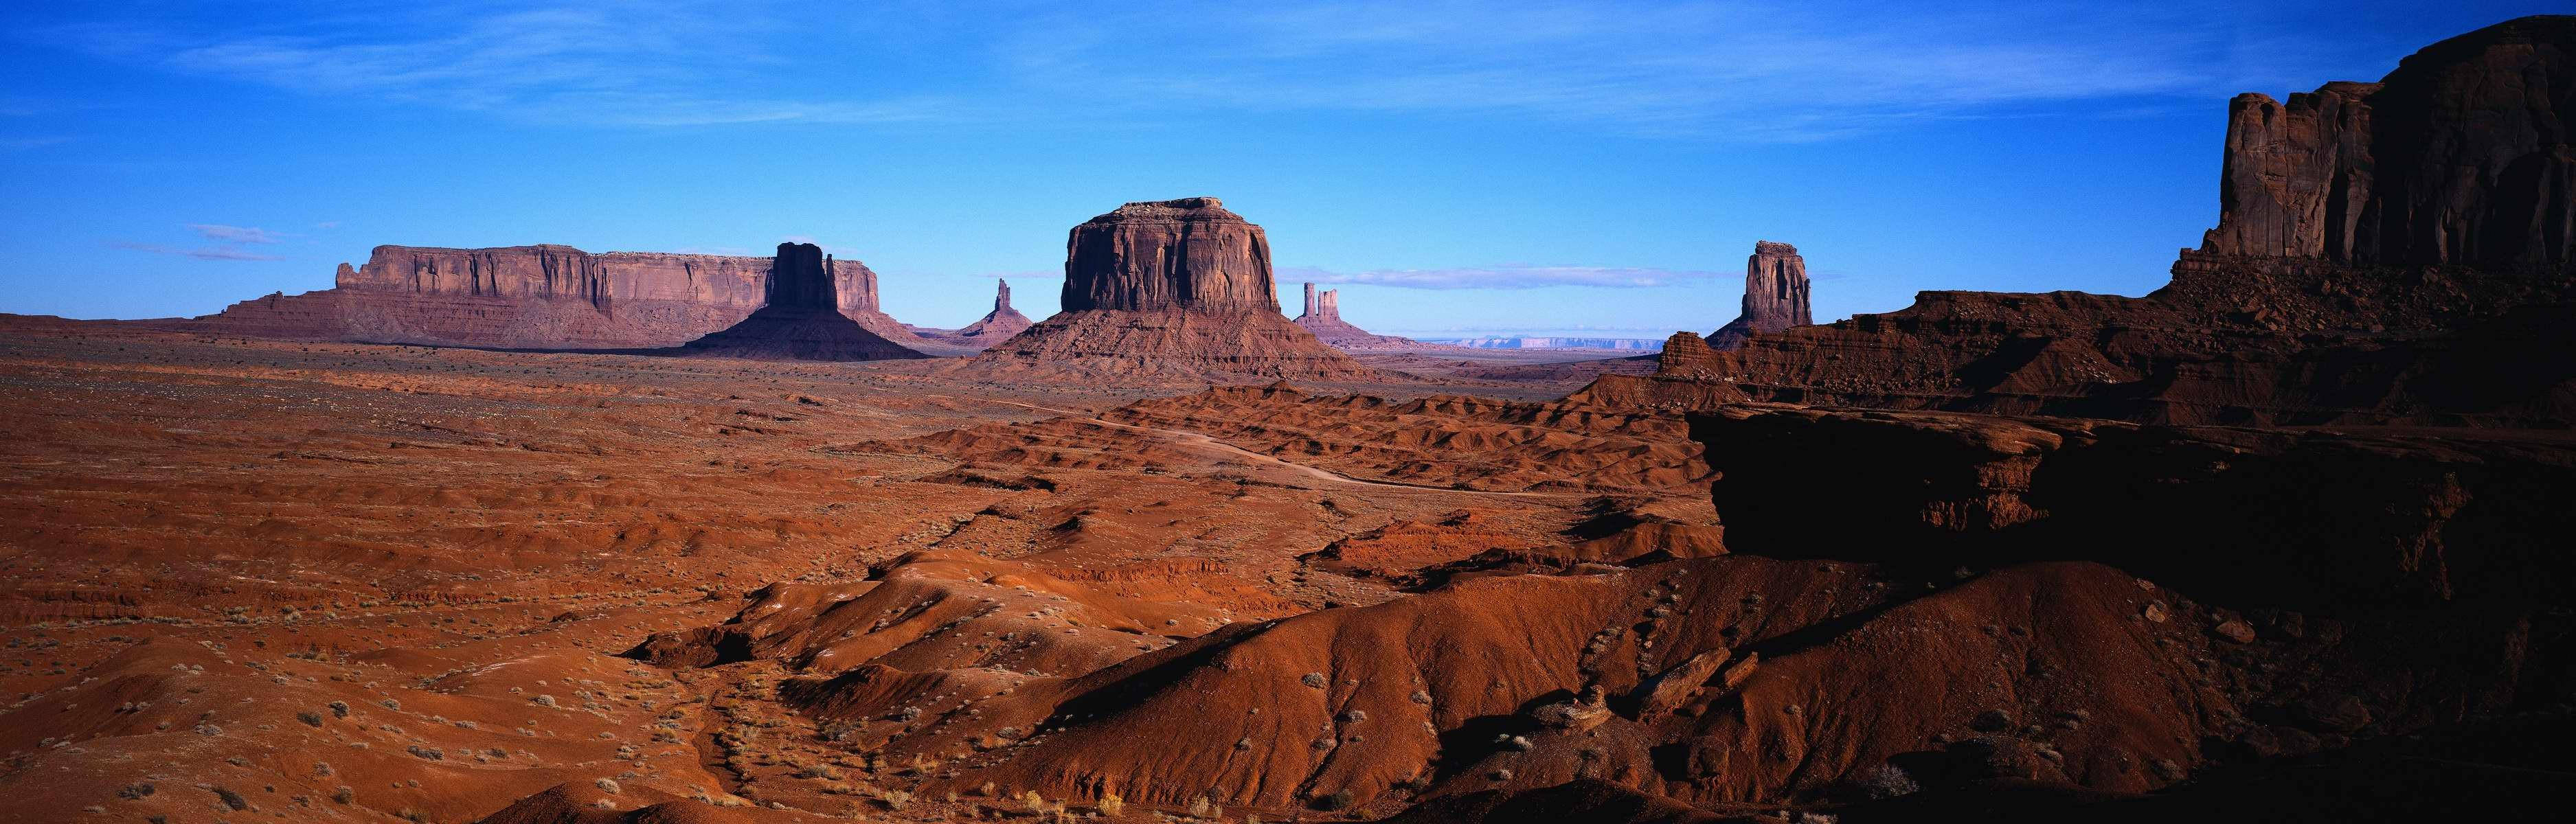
(2399, 252)
(555, 272)
(2459, 156)
(544, 296)
(1173, 290)
(1775, 295)
(1189, 253)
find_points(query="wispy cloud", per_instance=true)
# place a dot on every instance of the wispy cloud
(1503, 277)
(234, 234)
(1753, 70)
(594, 63)
(200, 253)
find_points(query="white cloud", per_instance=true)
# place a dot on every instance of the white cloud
(201, 253)
(1503, 277)
(234, 234)
(1754, 71)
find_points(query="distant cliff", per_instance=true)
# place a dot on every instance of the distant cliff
(537, 297)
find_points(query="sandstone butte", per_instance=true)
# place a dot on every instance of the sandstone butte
(801, 320)
(1170, 288)
(1323, 316)
(1775, 296)
(537, 297)
(2389, 252)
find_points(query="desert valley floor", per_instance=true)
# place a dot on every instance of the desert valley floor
(377, 559)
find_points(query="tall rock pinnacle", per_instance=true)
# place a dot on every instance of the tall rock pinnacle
(1775, 295)
(999, 324)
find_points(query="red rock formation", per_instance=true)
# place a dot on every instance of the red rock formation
(2460, 156)
(802, 319)
(1170, 289)
(2291, 518)
(534, 297)
(1323, 317)
(2391, 252)
(1775, 295)
(1173, 254)
(999, 324)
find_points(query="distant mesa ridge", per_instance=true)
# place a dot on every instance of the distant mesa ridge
(1638, 344)
(544, 296)
(2392, 252)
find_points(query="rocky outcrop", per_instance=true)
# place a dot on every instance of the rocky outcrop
(999, 324)
(1175, 289)
(1775, 295)
(802, 319)
(1171, 254)
(534, 297)
(1323, 316)
(2387, 253)
(2460, 156)
(2288, 518)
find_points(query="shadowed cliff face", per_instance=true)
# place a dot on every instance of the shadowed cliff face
(1189, 253)
(2392, 252)
(799, 279)
(2460, 156)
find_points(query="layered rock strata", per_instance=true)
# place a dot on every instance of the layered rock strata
(1775, 295)
(535, 297)
(2395, 252)
(1175, 288)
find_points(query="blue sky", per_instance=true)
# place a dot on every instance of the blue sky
(1456, 168)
